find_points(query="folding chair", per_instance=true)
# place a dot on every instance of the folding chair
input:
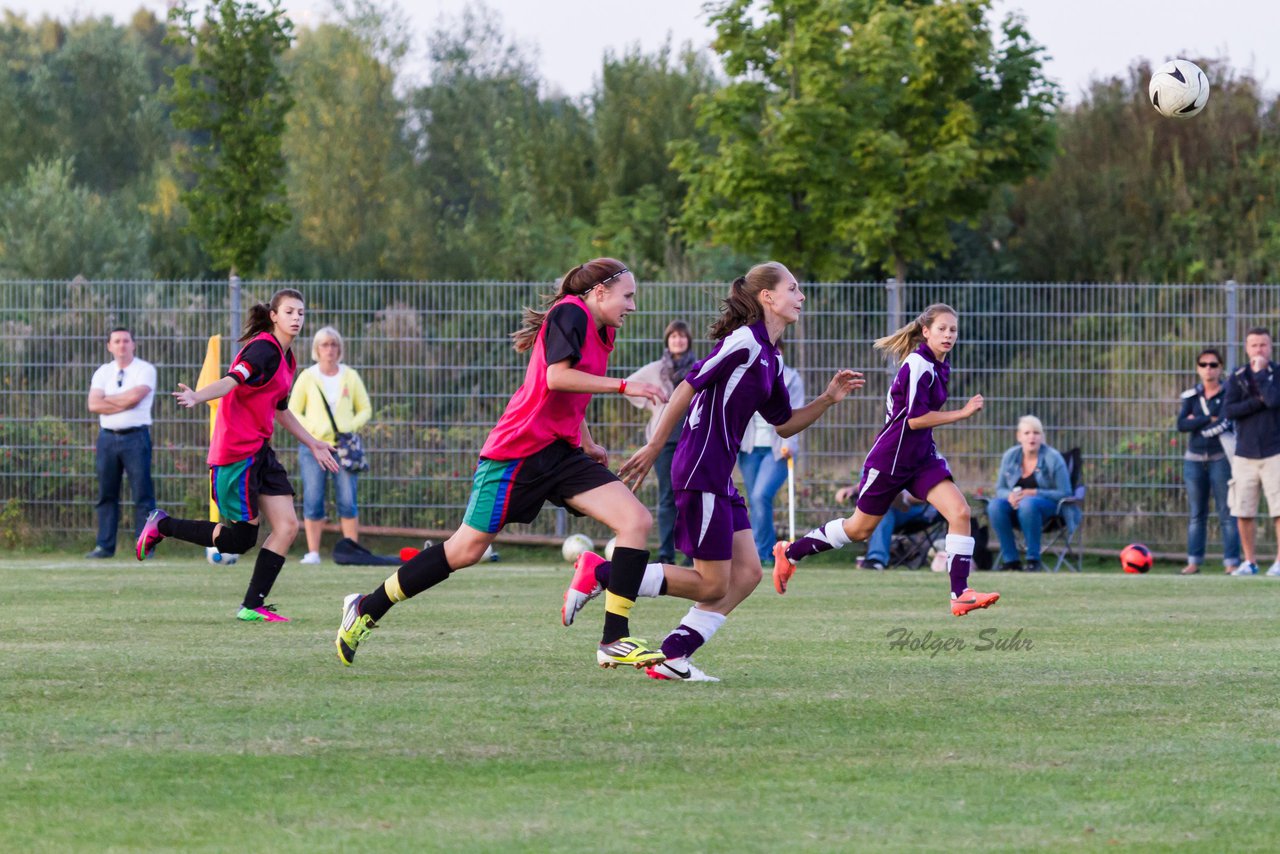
(911, 543)
(1061, 531)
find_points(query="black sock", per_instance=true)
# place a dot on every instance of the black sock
(624, 586)
(265, 570)
(192, 530)
(424, 570)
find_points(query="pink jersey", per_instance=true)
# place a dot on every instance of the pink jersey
(536, 416)
(246, 416)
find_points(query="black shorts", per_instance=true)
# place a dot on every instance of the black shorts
(235, 487)
(507, 491)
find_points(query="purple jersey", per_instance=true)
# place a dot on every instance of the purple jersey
(742, 375)
(919, 387)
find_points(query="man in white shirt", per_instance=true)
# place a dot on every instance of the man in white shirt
(121, 395)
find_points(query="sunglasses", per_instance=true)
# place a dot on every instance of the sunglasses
(1207, 364)
(120, 379)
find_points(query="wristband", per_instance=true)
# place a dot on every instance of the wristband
(622, 386)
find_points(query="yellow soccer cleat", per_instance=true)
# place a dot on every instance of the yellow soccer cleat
(628, 651)
(355, 628)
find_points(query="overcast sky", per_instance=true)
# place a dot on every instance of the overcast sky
(1086, 38)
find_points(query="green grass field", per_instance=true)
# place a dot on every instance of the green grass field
(136, 715)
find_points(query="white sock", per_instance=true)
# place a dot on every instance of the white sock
(833, 533)
(705, 623)
(651, 584)
(958, 545)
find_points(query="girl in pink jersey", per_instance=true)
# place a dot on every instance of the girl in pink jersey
(904, 457)
(741, 376)
(541, 450)
(245, 478)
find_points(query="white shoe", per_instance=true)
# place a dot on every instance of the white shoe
(1245, 568)
(679, 670)
(311, 558)
(1274, 571)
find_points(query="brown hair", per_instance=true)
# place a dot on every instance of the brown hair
(900, 344)
(742, 306)
(576, 282)
(259, 319)
(672, 328)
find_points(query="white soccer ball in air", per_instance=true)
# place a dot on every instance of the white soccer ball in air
(217, 558)
(575, 545)
(608, 548)
(1179, 89)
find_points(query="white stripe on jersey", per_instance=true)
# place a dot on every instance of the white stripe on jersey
(917, 366)
(740, 339)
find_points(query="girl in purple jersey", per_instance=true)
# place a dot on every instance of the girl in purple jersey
(720, 394)
(904, 456)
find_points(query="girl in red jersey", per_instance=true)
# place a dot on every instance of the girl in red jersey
(244, 474)
(541, 450)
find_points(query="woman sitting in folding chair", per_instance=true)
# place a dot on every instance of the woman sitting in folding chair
(1032, 480)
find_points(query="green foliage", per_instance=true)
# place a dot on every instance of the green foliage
(1134, 196)
(51, 227)
(233, 98)
(864, 128)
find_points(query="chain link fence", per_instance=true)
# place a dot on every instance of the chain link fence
(1101, 364)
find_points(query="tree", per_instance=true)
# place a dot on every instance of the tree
(233, 98)
(642, 105)
(855, 132)
(50, 228)
(347, 158)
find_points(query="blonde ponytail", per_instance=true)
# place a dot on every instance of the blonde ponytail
(899, 344)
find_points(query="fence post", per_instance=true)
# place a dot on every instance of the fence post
(1233, 325)
(894, 304)
(234, 285)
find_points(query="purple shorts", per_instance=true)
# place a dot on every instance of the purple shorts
(706, 523)
(877, 490)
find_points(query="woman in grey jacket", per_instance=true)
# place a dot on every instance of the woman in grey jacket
(1206, 465)
(1033, 478)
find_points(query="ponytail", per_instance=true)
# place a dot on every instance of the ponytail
(899, 344)
(742, 306)
(576, 282)
(259, 319)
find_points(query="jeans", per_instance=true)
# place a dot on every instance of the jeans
(1031, 515)
(314, 481)
(119, 454)
(666, 504)
(881, 539)
(1201, 478)
(763, 476)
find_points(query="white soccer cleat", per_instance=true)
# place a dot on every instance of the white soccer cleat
(679, 670)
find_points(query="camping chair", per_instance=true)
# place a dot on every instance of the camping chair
(911, 544)
(1061, 531)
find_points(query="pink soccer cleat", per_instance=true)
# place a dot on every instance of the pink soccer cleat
(583, 588)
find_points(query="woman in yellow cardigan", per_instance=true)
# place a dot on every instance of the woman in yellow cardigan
(328, 379)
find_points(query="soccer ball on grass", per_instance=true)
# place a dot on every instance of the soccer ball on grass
(1135, 558)
(575, 545)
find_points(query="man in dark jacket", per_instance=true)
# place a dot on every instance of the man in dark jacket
(1253, 403)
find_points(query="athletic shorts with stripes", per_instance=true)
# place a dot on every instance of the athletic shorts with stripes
(878, 489)
(706, 523)
(235, 487)
(507, 491)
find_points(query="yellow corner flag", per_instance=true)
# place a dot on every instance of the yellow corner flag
(209, 373)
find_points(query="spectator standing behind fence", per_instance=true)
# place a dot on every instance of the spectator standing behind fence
(1206, 465)
(1033, 478)
(763, 463)
(667, 372)
(328, 381)
(120, 394)
(1253, 403)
